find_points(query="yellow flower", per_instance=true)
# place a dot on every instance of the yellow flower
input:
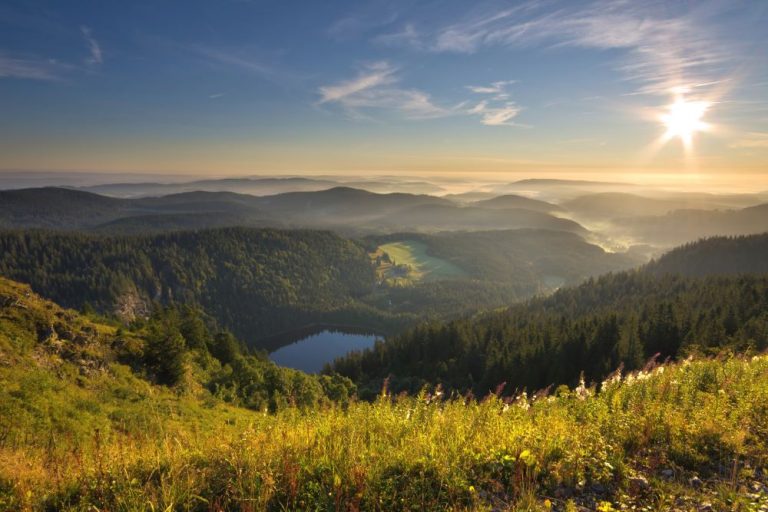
(472, 488)
(605, 506)
(548, 504)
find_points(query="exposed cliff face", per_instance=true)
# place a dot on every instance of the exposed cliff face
(51, 337)
(130, 305)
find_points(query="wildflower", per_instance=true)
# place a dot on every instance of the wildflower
(527, 458)
(581, 390)
(472, 489)
(548, 504)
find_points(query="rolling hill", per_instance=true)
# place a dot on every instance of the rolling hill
(536, 260)
(716, 256)
(617, 319)
(510, 201)
(260, 186)
(682, 226)
(344, 209)
(254, 282)
(448, 217)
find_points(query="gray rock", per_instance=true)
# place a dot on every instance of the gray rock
(638, 485)
(667, 473)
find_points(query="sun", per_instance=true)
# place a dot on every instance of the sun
(684, 118)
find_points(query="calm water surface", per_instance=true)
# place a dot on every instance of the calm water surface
(311, 352)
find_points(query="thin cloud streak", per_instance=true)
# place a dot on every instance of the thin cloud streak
(233, 59)
(376, 87)
(495, 116)
(374, 75)
(495, 88)
(496, 110)
(662, 52)
(31, 69)
(96, 56)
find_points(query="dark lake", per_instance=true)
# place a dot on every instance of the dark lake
(310, 352)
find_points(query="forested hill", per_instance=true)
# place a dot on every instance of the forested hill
(253, 281)
(618, 319)
(156, 417)
(114, 372)
(717, 255)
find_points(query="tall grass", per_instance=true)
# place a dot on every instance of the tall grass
(708, 418)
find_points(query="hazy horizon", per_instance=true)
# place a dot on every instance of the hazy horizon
(650, 92)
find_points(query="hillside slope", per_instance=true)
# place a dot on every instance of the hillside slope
(716, 256)
(255, 282)
(84, 425)
(616, 319)
(676, 436)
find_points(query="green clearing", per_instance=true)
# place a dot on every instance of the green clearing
(422, 266)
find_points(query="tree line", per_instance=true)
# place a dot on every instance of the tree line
(590, 330)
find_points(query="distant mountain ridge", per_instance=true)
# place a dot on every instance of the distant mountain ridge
(341, 208)
(508, 201)
(258, 186)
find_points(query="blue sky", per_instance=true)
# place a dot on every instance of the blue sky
(234, 87)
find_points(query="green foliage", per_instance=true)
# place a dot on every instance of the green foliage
(179, 347)
(80, 431)
(254, 282)
(705, 418)
(413, 253)
(717, 255)
(621, 319)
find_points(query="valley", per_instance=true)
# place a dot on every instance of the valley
(384, 256)
(314, 311)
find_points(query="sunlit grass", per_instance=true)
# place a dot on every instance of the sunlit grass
(420, 453)
(422, 266)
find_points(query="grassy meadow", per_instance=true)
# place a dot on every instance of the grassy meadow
(677, 437)
(421, 266)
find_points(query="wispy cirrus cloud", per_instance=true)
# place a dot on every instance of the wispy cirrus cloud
(495, 115)
(498, 87)
(495, 109)
(31, 68)
(233, 58)
(408, 36)
(96, 56)
(377, 86)
(662, 51)
(28, 67)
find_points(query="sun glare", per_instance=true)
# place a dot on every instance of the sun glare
(684, 118)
